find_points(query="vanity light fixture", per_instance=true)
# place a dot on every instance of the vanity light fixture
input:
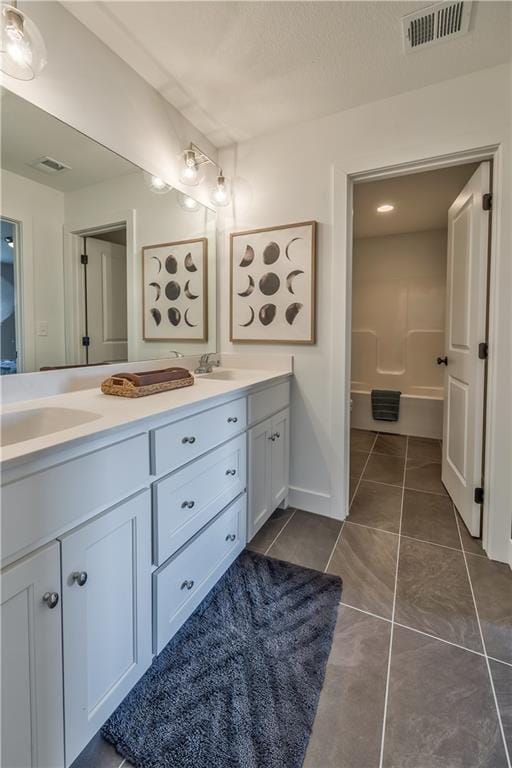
(219, 194)
(385, 208)
(156, 184)
(192, 160)
(188, 203)
(22, 48)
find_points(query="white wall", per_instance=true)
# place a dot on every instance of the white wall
(87, 86)
(300, 174)
(398, 309)
(157, 219)
(40, 211)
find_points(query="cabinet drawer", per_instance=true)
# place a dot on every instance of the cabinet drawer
(179, 586)
(42, 505)
(181, 441)
(184, 502)
(263, 404)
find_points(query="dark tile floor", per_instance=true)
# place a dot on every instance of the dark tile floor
(420, 671)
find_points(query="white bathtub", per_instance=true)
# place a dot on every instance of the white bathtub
(421, 412)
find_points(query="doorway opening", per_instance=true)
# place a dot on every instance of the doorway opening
(419, 332)
(104, 327)
(10, 352)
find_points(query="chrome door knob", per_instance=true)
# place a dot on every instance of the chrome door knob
(230, 537)
(230, 471)
(187, 504)
(442, 360)
(79, 577)
(51, 599)
(232, 420)
(190, 440)
(188, 584)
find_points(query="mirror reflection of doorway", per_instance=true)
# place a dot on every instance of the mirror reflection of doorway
(8, 301)
(105, 329)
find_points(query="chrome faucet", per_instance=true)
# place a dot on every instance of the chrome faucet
(175, 353)
(205, 366)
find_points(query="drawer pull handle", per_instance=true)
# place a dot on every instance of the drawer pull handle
(187, 504)
(187, 584)
(230, 471)
(232, 419)
(51, 599)
(230, 537)
(188, 440)
(79, 577)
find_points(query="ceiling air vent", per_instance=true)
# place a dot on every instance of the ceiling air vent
(434, 24)
(50, 165)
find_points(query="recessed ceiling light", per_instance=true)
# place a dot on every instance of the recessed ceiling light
(385, 208)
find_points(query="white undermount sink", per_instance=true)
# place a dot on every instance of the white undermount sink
(231, 374)
(18, 426)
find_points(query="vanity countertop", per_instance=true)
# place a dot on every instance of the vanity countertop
(115, 412)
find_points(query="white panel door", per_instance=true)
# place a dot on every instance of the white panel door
(280, 457)
(106, 301)
(260, 477)
(31, 663)
(468, 228)
(106, 575)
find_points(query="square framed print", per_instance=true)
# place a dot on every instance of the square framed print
(273, 285)
(175, 291)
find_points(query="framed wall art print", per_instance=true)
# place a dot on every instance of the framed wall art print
(273, 285)
(175, 291)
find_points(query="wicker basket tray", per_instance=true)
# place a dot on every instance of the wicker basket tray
(140, 385)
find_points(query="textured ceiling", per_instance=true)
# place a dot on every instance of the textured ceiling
(29, 133)
(242, 69)
(421, 201)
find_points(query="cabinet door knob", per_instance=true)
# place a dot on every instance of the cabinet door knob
(188, 440)
(187, 504)
(277, 435)
(230, 537)
(187, 584)
(230, 471)
(272, 437)
(51, 599)
(232, 419)
(80, 577)
(442, 360)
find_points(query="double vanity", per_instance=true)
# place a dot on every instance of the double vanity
(118, 517)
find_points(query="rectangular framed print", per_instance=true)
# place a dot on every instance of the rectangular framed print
(273, 285)
(175, 291)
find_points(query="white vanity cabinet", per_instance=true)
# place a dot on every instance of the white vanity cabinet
(110, 545)
(106, 604)
(32, 724)
(269, 454)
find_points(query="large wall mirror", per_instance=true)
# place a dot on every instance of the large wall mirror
(100, 262)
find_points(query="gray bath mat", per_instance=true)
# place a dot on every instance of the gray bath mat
(238, 685)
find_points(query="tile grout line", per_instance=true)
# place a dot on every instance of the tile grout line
(388, 675)
(500, 722)
(368, 613)
(350, 501)
(407, 487)
(361, 475)
(280, 532)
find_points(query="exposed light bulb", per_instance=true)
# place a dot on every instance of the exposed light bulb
(190, 171)
(219, 194)
(157, 185)
(10, 241)
(385, 208)
(22, 49)
(188, 203)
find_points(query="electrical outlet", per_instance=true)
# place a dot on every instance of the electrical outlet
(42, 328)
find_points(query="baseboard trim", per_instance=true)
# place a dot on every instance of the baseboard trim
(310, 501)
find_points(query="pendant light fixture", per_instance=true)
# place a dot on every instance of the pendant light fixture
(193, 160)
(22, 48)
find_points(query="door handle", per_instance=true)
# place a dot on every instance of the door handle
(442, 360)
